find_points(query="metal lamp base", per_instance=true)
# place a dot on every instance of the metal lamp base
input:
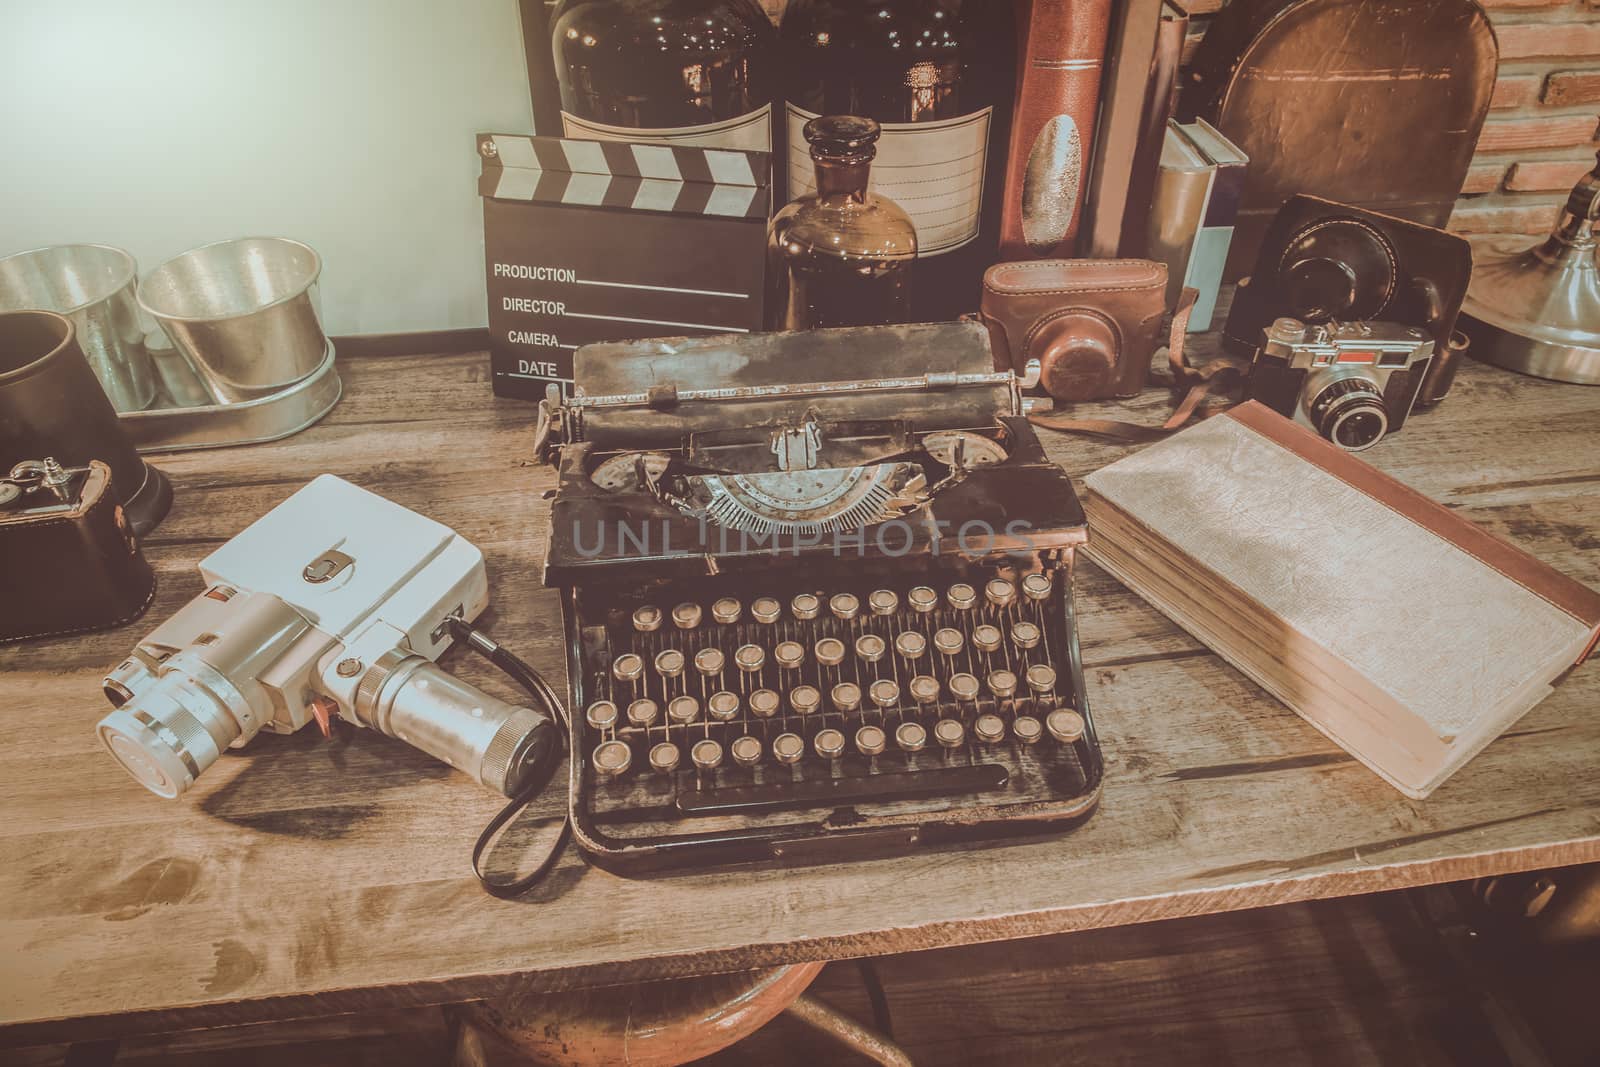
(1537, 310)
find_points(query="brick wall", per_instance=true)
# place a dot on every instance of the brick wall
(1544, 117)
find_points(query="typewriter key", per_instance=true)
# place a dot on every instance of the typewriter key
(949, 733)
(664, 757)
(884, 692)
(727, 611)
(766, 610)
(805, 606)
(1064, 725)
(884, 602)
(627, 667)
(846, 696)
(683, 710)
(804, 699)
(844, 605)
(1026, 729)
(948, 641)
(709, 661)
(922, 599)
(1042, 678)
(989, 729)
(643, 712)
(829, 743)
(961, 596)
(870, 740)
(1003, 684)
(830, 652)
(911, 644)
(750, 658)
(870, 647)
(910, 736)
(1001, 593)
(924, 689)
(789, 654)
(647, 618)
(963, 687)
(669, 663)
(686, 616)
(706, 754)
(986, 638)
(746, 751)
(764, 703)
(788, 748)
(1026, 635)
(602, 715)
(1036, 586)
(722, 706)
(612, 758)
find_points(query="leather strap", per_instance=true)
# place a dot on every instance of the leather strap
(1201, 383)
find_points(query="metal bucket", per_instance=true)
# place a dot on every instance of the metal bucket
(93, 286)
(243, 311)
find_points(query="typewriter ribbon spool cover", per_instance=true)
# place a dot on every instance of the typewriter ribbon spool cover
(758, 539)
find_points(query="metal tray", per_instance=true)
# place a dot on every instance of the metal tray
(265, 418)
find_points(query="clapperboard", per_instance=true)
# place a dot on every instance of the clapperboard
(608, 241)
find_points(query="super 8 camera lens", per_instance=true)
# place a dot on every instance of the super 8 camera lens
(1350, 413)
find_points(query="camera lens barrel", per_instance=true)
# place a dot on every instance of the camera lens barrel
(168, 735)
(1350, 412)
(407, 697)
(171, 723)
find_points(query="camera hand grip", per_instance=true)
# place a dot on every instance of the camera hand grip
(407, 697)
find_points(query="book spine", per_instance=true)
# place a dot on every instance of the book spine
(1160, 102)
(1210, 255)
(1052, 136)
(1176, 213)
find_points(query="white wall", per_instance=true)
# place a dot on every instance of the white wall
(159, 125)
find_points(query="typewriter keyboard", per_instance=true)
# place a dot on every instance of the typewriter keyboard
(804, 698)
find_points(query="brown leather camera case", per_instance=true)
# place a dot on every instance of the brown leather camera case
(72, 571)
(1092, 324)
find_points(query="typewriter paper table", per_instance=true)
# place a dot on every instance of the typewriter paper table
(309, 877)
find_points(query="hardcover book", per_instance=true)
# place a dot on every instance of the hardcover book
(1192, 214)
(1407, 634)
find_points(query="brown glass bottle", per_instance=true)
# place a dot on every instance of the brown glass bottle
(842, 255)
(939, 76)
(689, 72)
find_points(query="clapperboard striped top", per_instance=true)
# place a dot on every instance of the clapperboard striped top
(641, 177)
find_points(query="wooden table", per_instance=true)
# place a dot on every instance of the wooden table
(308, 877)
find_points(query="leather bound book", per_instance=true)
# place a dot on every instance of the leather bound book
(1407, 634)
(1052, 132)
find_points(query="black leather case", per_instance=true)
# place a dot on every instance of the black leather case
(71, 571)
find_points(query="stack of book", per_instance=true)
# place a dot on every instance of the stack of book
(1197, 194)
(1405, 633)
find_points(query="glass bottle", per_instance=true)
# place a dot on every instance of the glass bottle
(690, 72)
(841, 255)
(939, 76)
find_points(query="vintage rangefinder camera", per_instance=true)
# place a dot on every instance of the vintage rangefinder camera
(1351, 382)
(333, 603)
(1081, 329)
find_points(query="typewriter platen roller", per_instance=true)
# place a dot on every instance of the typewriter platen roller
(809, 614)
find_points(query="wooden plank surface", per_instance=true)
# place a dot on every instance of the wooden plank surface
(308, 877)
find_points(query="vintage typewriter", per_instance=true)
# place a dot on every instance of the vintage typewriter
(817, 591)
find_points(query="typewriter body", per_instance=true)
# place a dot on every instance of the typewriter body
(817, 591)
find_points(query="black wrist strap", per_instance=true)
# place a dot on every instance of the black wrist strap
(546, 761)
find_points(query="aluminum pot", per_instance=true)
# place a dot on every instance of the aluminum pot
(51, 405)
(243, 311)
(93, 285)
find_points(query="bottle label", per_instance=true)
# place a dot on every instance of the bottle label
(747, 133)
(933, 170)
